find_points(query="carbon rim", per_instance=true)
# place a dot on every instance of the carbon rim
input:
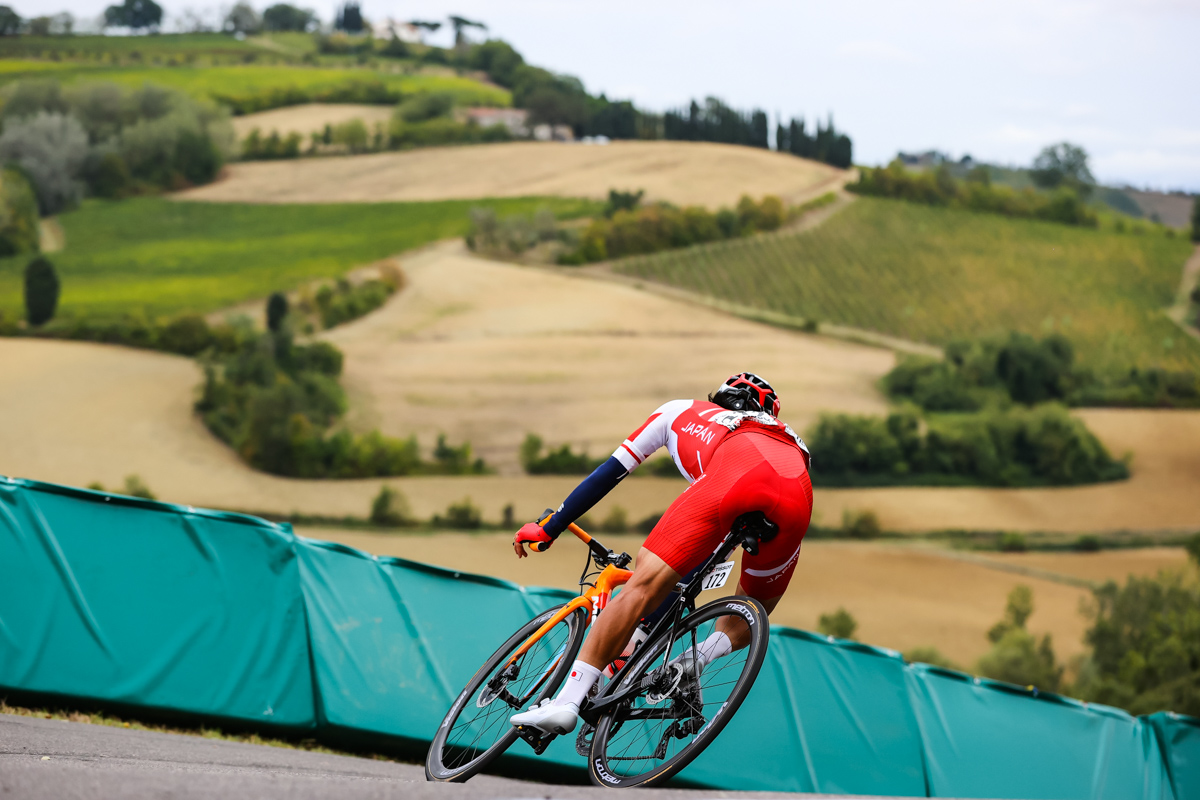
(630, 751)
(476, 729)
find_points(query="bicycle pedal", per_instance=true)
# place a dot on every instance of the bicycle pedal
(535, 738)
(583, 742)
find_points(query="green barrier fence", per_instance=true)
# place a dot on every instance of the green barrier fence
(175, 609)
(142, 603)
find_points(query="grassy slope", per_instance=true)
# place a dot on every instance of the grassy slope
(935, 274)
(161, 257)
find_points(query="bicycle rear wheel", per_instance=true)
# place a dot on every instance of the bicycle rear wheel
(670, 721)
(476, 729)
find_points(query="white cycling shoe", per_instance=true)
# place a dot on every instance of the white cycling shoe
(548, 718)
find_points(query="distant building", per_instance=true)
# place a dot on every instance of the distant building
(553, 133)
(404, 31)
(515, 119)
(930, 158)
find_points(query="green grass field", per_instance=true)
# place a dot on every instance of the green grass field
(252, 79)
(932, 274)
(161, 257)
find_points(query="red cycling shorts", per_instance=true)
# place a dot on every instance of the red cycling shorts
(750, 471)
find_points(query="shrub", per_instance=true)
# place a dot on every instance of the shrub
(622, 201)
(390, 507)
(1016, 655)
(840, 623)
(41, 291)
(1145, 639)
(187, 334)
(353, 135)
(1012, 543)
(463, 516)
(1087, 544)
(50, 148)
(616, 521)
(860, 525)
(562, 461)
(344, 301)
(135, 487)
(1016, 447)
(940, 188)
(256, 147)
(277, 309)
(107, 175)
(425, 106)
(18, 214)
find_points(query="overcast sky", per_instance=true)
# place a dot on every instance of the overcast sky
(995, 79)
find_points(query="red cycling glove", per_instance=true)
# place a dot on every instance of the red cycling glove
(531, 533)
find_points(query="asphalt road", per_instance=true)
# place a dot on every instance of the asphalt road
(42, 758)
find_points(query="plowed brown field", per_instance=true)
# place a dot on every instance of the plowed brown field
(308, 118)
(680, 172)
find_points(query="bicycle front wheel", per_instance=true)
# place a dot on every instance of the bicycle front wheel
(676, 714)
(476, 729)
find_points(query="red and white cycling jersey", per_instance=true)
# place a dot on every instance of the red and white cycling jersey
(691, 430)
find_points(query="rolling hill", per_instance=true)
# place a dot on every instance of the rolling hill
(933, 274)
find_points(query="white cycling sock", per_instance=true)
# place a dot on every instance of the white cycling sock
(717, 645)
(575, 687)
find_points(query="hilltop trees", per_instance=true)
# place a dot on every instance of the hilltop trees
(135, 14)
(1196, 219)
(825, 144)
(284, 17)
(242, 18)
(349, 18)
(1063, 164)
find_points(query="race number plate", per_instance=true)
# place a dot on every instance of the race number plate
(717, 577)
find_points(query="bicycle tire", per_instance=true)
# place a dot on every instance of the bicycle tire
(559, 653)
(604, 756)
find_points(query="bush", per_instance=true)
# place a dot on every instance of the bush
(940, 188)
(629, 229)
(840, 623)
(1017, 447)
(562, 461)
(1145, 639)
(41, 291)
(1012, 543)
(344, 302)
(860, 524)
(135, 487)
(107, 175)
(256, 147)
(1016, 655)
(425, 106)
(18, 214)
(390, 507)
(187, 334)
(616, 521)
(463, 516)
(50, 148)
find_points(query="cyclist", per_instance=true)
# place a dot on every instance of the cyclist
(738, 458)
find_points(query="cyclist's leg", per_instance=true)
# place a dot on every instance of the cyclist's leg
(652, 581)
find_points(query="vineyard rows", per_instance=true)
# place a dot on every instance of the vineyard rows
(932, 274)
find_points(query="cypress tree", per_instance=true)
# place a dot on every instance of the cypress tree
(41, 291)
(277, 309)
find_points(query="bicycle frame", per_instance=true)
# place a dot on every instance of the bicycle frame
(612, 577)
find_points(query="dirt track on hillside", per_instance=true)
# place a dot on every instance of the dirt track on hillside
(308, 118)
(680, 172)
